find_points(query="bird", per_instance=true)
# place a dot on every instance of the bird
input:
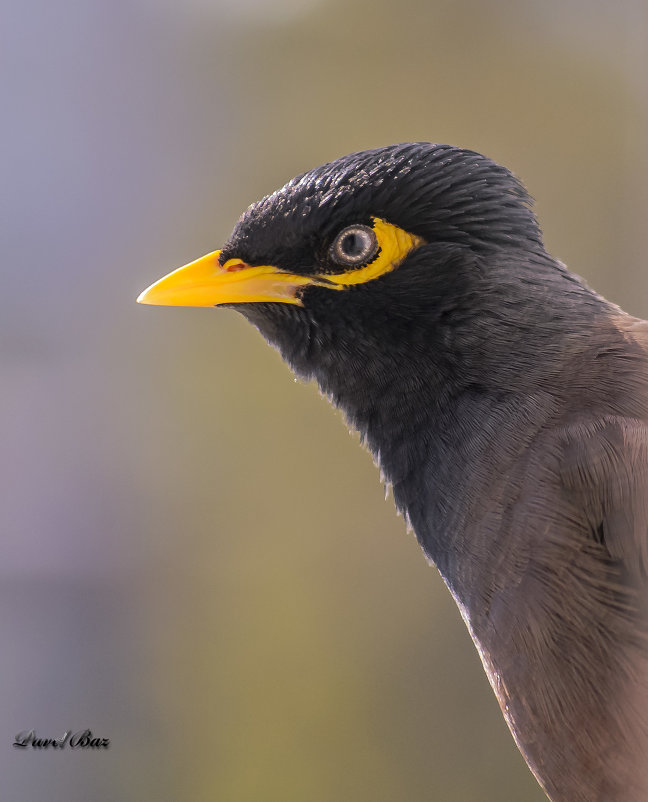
(506, 403)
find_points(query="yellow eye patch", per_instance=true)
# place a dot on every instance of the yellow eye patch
(394, 243)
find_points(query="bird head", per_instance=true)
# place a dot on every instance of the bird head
(364, 257)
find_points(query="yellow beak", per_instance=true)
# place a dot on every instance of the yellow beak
(206, 282)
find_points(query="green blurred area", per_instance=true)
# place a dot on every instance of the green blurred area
(200, 562)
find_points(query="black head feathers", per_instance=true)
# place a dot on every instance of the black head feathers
(439, 192)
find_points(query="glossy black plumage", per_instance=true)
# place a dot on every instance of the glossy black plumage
(507, 404)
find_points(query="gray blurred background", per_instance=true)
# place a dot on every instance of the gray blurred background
(197, 560)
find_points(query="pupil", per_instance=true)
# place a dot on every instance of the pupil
(353, 245)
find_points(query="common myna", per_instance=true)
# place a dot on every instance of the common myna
(507, 404)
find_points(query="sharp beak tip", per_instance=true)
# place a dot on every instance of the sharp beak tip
(156, 295)
(143, 298)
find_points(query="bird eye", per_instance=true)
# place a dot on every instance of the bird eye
(354, 245)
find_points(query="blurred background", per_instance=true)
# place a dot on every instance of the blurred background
(198, 561)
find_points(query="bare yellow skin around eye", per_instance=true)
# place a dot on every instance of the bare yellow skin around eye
(206, 282)
(395, 244)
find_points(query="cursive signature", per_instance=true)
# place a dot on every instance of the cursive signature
(82, 739)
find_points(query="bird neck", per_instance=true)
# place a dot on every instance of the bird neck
(449, 431)
(445, 448)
